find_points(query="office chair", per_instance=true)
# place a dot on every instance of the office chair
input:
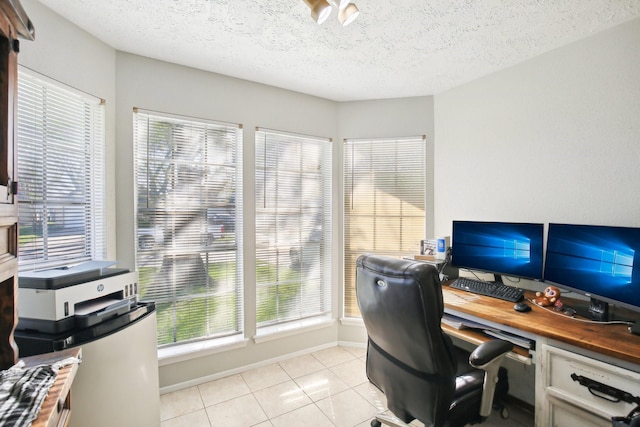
(411, 360)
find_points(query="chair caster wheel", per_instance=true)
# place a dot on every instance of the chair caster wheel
(504, 413)
(375, 423)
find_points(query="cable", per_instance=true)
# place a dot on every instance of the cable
(447, 259)
(596, 322)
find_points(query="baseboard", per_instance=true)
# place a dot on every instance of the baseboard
(521, 404)
(218, 375)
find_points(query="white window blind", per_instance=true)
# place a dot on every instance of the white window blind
(61, 142)
(384, 202)
(188, 178)
(293, 227)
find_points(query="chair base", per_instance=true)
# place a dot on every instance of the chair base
(388, 419)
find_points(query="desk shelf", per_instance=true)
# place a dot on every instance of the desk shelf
(477, 337)
(56, 408)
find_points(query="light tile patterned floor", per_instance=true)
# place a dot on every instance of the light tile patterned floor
(322, 389)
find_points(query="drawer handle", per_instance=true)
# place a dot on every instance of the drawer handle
(604, 391)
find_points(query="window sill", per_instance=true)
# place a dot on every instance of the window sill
(270, 333)
(183, 352)
(351, 321)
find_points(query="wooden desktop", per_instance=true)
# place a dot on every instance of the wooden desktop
(612, 340)
(563, 345)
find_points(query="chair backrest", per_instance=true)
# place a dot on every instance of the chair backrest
(408, 357)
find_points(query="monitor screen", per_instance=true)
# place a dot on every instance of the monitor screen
(598, 261)
(503, 248)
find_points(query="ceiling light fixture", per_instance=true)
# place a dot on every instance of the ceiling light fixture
(340, 4)
(321, 9)
(348, 14)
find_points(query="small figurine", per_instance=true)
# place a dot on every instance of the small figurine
(551, 296)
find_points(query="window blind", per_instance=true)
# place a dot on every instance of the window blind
(293, 227)
(61, 175)
(189, 218)
(384, 202)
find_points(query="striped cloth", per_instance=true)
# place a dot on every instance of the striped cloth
(23, 390)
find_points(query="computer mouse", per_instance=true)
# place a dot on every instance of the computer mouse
(522, 307)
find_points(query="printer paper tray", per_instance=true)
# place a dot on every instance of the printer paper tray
(97, 313)
(87, 315)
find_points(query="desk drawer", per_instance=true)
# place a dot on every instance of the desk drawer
(563, 414)
(559, 365)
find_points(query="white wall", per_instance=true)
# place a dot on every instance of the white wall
(554, 139)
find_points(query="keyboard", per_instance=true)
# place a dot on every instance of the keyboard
(490, 289)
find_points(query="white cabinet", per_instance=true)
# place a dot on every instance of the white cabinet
(562, 401)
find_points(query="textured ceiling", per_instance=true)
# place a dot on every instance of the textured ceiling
(396, 48)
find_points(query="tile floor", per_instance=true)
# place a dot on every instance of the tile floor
(325, 388)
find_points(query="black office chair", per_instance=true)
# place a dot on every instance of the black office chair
(411, 360)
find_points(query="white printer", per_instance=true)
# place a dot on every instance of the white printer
(58, 300)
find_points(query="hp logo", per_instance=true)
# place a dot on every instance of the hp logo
(100, 287)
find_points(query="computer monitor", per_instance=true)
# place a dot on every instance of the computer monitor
(503, 248)
(596, 261)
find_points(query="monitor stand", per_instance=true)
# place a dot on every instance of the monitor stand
(497, 278)
(594, 309)
(599, 310)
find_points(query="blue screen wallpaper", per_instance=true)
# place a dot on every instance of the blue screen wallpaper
(512, 249)
(597, 260)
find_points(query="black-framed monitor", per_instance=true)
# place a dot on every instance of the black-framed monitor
(596, 261)
(503, 248)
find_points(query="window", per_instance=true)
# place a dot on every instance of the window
(384, 203)
(61, 146)
(188, 176)
(617, 263)
(293, 212)
(517, 249)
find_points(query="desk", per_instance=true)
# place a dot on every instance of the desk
(563, 345)
(56, 408)
(610, 340)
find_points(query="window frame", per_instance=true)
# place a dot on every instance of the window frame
(420, 154)
(313, 240)
(59, 123)
(186, 220)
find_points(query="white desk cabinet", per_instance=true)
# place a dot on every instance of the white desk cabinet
(561, 401)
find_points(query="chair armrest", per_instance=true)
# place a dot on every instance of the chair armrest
(488, 351)
(488, 356)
